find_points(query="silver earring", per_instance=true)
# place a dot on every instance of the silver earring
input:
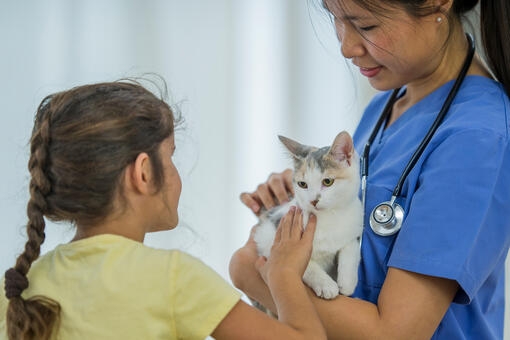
(439, 20)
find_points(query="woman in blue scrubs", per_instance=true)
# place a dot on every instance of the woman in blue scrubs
(442, 274)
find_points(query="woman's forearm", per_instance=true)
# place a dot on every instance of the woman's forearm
(246, 277)
(410, 306)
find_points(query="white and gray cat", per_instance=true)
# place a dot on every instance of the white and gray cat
(326, 183)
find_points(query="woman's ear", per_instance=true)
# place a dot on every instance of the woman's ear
(139, 174)
(443, 6)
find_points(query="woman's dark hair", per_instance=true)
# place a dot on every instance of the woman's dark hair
(494, 26)
(82, 141)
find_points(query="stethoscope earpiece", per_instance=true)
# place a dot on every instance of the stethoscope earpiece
(386, 218)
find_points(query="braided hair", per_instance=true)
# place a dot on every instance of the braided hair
(101, 127)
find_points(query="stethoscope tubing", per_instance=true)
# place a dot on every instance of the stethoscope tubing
(421, 147)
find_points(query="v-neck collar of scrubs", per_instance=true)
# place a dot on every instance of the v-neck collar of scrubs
(430, 104)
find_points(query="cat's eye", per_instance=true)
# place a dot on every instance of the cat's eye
(327, 182)
(302, 184)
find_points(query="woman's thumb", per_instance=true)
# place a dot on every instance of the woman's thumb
(260, 262)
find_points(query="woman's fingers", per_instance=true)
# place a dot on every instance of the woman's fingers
(280, 185)
(291, 225)
(266, 195)
(251, 201)
(275, 191)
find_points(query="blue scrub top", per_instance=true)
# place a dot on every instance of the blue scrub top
(456, 202)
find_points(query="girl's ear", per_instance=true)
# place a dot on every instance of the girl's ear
(139, 174)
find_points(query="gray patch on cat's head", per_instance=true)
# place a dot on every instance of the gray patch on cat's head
(319, 159)
(324, 161)
(327, 157)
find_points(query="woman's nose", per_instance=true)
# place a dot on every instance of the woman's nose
(351, 42)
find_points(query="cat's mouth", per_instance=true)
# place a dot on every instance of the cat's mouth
(314, 208)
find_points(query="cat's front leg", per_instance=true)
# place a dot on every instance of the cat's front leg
(348, 261)
(321, 283)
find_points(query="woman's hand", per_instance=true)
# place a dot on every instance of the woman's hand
(291, 250)
(275, 191)
(290, 254)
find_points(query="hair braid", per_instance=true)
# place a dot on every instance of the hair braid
(36, 317)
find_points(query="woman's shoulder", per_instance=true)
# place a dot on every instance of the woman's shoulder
(482, 104)
(483, 90)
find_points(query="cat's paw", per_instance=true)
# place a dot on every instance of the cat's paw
(347, 287)
(325, 289)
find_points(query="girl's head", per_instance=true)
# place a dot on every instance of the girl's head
(82, 142)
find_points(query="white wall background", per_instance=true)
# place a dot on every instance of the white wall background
(241, 71)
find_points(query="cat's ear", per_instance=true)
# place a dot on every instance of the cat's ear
(297, 150)
(342, 149)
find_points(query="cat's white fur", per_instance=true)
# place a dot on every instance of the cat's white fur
(338, 210)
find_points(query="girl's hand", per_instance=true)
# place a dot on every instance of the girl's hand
(275, 191)
(291, 249)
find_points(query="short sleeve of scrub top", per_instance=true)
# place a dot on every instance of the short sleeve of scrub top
(456, 200)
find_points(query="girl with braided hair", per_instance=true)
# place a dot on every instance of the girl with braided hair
(101, 159)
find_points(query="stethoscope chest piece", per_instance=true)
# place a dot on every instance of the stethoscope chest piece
(386, 218)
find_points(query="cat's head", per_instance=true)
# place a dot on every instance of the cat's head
(327, 177)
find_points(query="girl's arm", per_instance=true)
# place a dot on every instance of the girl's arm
(410, 305)
(282, 273)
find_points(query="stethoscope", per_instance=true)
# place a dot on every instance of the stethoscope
(387, 217)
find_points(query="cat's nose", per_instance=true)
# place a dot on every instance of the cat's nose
(314, 202)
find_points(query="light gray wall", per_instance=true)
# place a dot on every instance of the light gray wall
(238, 82)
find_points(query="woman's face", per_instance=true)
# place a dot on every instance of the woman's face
(391, 50)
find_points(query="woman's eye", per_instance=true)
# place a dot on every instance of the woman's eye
(327, 182)
(302, 184)
(367, 28)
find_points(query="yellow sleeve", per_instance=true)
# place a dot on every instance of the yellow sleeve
(3, 312)
(202, 298)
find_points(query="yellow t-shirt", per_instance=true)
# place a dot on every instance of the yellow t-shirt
(110, 287)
